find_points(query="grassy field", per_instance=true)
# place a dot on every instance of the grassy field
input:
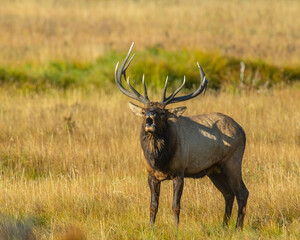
(73, 161)
(71, 165)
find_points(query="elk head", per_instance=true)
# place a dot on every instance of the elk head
(155, 114)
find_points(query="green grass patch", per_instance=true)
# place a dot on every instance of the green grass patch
(156, 64)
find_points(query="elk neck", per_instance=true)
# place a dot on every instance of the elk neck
(158, 147)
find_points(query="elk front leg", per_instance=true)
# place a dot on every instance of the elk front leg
(177, 192)
(154, 185)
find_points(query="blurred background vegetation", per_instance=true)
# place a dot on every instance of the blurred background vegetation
(63, 44)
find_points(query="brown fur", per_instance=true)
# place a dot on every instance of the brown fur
(156, 173)
(204, 145)
(155, 145)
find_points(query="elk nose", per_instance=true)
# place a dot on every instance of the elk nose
(149, 121)
(150, 125)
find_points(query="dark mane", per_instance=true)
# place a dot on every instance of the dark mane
(158, 148)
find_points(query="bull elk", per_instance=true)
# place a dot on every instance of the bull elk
(177, 147)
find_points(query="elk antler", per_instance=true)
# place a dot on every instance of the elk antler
(172, 99)
(118, 77)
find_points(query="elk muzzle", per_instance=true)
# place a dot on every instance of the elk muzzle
(150, 124)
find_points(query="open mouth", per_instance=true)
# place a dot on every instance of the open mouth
(150, 126)
(149, 121)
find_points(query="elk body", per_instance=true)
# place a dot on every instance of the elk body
(177, 147)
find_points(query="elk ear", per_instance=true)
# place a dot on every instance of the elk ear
(137, 110)
(177, 111)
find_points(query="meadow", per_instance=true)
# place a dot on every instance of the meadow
(70, 160)
(73, 161)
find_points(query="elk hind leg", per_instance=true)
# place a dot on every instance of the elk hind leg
(242, 198)
(232, 170)
(219, 180)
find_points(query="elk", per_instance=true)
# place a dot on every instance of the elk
(177, 147)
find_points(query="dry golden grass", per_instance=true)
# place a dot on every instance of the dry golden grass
(71, 163)
(39, 31)
(83, 176)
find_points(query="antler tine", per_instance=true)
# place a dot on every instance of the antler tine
(145, 88)
(164, 91)
(121, 69)
(171, 97)
(201, 88)
(127, 65)
(138, 95)
(204, 80)
(118, 78)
